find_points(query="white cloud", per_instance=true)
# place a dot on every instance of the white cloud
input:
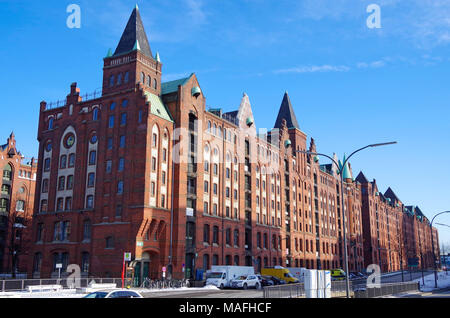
(314, 69)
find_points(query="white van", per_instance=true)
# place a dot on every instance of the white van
(298, 272)
(221, 276)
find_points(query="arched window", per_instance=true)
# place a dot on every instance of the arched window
(50, 123)
(95, 114)
(111, 81)
(7, 173)
(119, 79)
(149, 81)
(155, 83)
(142, 78)
(127, 77)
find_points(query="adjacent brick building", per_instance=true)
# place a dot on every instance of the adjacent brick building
(394, 233)
(146, 168)
(18, 175)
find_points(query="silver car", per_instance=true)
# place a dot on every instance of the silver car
(114, 293)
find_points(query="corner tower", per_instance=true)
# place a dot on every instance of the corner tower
(132, 62)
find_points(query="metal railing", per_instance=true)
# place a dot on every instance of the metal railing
(285, 291)
(387, 289)
(338, 290)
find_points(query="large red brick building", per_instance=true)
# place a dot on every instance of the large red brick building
(146, 168)
(394, 233)
(18, 176)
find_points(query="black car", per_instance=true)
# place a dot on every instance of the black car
(277, 281)
(266, 280)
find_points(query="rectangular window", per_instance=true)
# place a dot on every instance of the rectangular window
(140, 117)
(111, 121)
(92, 157)
(153, 189)
(91, 180)
(69, 183)
(110, 143)
(60, 204)
(108, 166)
(121, 164)
(123, 119)
(122, 142)
(163, 178)
(47, 164)
(153, 163)
(61, 183)
(45, 186)
(68, 206)
(206, 187)
(120, 187)
(71, 160)
(63, 162)
(154, 140)
(90, 202)
(163, 201)
(118, 211)
(164, 155)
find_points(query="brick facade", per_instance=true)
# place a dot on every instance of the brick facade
(18, 175)
(185, 187)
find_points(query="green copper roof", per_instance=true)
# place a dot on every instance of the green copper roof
(157, 107)
(172, 86)
(196, 91)
(109, 54)
(346, 170)
(157, 57)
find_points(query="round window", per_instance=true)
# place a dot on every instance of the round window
(22, 190)
(70, 141)
(94, 139)
(49, 147)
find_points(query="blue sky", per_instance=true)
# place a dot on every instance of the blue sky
(350, 85)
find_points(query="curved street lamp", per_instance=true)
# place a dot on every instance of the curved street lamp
(340, 173)
(432, 247)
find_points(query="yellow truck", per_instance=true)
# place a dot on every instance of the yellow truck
(281, 273)
(337, 274)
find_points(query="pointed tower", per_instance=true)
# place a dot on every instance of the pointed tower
(132, 62)
(286, 112)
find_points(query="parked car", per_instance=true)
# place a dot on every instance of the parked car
(361, 275)
(114, 293)
(277, 281)
(352, 276)
(246, 282)
(265, 280)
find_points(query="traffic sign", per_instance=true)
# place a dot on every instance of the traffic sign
(127, 257)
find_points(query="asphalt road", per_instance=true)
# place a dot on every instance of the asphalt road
(206, 293)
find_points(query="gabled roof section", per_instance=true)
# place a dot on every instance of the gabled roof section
(134, 36)
(390, 194)
(157, 106)
(172, 86)
(361, 178)
(286, 112)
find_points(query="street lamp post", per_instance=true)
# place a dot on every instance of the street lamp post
(341, 169)
(432, 247)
